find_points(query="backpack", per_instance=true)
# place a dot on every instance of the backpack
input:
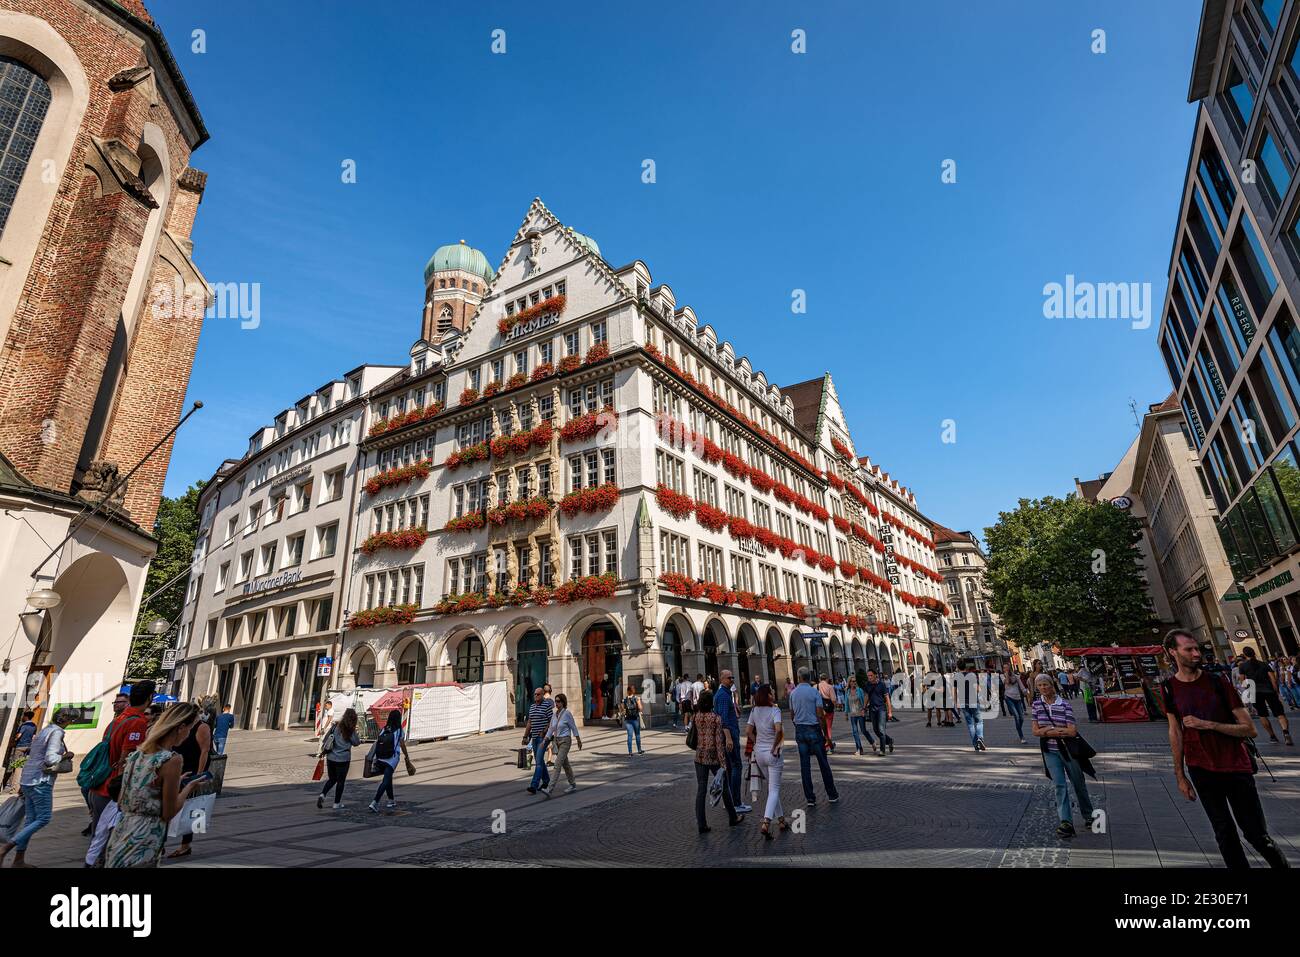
(386, 746)
(95, 766)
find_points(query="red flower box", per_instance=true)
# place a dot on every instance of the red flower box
(713, 519)
(542, 371)
(401, 540)
(398, 475)
(590, 588)
(599, 499)
(467, 456)
(555, 304)
(569, 363)
(674, 503)
(491, 389)
(516, 380)
(587, 426)
(469, 396)
(387, 615)
(466, 523)
(597, 352)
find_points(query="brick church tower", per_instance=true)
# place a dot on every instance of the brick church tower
(97, 200)
(455, 281)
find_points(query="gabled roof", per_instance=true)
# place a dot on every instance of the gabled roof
(808, 399)
(943, 535)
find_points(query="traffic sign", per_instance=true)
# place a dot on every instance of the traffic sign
(169, 659)
(810, 635)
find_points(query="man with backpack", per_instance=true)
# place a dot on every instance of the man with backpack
(1210, 731)
(124, 735)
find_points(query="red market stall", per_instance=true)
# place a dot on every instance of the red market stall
(1125, 675)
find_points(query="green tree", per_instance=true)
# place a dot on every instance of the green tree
(1068, 571)
(176, 528)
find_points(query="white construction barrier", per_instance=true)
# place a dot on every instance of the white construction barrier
(436, 711)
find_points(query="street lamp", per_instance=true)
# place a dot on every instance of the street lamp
(158, 626)
(44, 598)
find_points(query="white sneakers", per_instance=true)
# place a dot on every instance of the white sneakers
(339, 807)
(743, 809)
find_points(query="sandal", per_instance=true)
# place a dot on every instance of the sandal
(183, 851)
(781, 824)
(765, 830)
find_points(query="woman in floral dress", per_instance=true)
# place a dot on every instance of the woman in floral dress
(151, 791)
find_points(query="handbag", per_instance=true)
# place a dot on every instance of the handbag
(319, 772)
(63, 767)
(12, 813)
(693, 737)
(371, 767)
(193, 816)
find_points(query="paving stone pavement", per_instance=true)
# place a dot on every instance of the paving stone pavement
(934, 802)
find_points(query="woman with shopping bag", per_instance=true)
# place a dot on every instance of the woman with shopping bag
(383, 757)
(336, 756)
(194, 751)
(152, 791)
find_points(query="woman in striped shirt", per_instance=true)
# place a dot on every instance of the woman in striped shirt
(1053, 720)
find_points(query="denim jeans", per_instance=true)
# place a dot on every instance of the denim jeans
(974, 723)
(733, 767)
(813, 744)
(1065, 773)
(386, 782)
(858, 725)
(878, 718)
(39, 807)
(220, 742)
(541, 777)
(633, 727)
(1017, 709)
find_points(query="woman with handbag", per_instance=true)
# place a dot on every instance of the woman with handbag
(336, 751)
(152, 791)
(45, 762)
(631, 719)
(712, 742)
(1066, 755)
(383, 756)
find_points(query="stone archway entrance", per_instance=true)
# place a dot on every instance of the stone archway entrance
(531, 670)
(602, 672)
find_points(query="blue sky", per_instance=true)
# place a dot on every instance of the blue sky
(775, 171)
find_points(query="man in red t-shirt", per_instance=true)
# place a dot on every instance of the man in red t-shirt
(128, 734)
(1208, 730)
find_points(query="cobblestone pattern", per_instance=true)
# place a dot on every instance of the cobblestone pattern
(901, 824)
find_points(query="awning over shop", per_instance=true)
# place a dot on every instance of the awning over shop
(1110, 650)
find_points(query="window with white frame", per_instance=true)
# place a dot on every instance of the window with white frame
(674, 554)
(711, 564)
(670, 470)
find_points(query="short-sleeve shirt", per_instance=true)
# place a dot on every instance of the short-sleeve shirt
(876, 694)
(804, 702)
(26, 731)
(539, 719)
(1257, 672)
(765, 720)
(1059, 713)
(128, 734)
(1210, 750)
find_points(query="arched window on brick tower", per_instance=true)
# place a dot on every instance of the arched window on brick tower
(153, 173)
(24, 101)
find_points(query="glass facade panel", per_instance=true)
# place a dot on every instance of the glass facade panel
(1275, 512)
(1253, 515)
(1277, 176)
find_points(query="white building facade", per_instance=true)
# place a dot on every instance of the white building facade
(263, 604)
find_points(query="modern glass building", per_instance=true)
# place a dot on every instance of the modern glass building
(1228, 329)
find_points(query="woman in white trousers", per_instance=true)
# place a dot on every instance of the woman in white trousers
(766, 734)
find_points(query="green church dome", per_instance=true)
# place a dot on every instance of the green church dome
(587, 241)
(459, 256)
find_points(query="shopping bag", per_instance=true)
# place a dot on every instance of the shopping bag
(193, 817)
(319, 773)
(371, 768)
(12, 813)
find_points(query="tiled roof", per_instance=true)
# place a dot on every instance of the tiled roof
(944, 534)
(807, 399)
